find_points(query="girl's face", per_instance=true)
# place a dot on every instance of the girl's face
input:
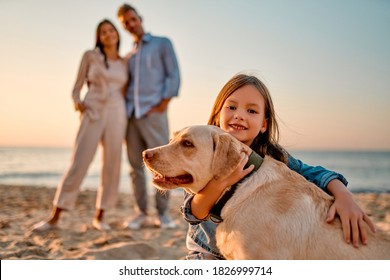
(243, 114)
(108, 35)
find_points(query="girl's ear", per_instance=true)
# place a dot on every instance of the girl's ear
(264, 127)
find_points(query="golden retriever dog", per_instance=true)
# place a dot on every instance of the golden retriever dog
(274, 214)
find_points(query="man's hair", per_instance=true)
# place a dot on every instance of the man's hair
(125, 8)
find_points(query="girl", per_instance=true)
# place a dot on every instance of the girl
(103, 119)
(245, 110)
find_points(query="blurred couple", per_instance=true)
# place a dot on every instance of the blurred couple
(127, 98)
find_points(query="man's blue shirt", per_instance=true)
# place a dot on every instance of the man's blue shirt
(154, 75)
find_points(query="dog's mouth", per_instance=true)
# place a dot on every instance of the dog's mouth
(171, 182)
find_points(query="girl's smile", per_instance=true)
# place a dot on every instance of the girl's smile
(237, 126)
(243, 114)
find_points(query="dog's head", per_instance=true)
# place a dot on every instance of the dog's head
(193, 157)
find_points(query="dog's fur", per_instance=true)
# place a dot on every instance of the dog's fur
(274, 214)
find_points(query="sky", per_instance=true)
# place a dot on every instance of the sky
(326, 64)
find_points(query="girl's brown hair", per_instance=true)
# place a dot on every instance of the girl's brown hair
(265, 143)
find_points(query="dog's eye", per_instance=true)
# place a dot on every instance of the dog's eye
(187, 143)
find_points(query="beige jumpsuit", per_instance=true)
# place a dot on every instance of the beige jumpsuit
(104, 121)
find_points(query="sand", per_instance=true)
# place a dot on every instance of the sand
(23, 206)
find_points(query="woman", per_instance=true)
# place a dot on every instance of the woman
(103, 120)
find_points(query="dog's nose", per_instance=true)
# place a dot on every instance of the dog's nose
(147, 154)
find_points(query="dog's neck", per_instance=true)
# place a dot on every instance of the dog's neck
(215, 213)
(254, 159)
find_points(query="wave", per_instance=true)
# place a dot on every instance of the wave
(369, 190)
(32, 175)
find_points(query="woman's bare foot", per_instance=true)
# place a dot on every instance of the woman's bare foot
(100, 225)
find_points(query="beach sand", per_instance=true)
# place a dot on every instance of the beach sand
(23, 206)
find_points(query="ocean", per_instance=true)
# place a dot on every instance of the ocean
(366, 171)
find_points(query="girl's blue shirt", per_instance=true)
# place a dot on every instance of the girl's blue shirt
(202, 232)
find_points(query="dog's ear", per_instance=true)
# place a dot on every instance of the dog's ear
(227, 155)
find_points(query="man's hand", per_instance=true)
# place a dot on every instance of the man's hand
(161, 107)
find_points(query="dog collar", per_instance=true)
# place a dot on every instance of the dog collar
(215, 213)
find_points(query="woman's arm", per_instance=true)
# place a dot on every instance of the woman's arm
(80, 79)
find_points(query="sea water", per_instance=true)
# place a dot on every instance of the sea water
(366, 171)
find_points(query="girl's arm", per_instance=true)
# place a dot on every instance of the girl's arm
(203, 202)
(352, 217)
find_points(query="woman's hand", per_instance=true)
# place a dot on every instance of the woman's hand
(79, 106)
(354, 221)
(203, 202)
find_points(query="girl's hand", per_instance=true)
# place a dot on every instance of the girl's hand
(203, 201)
(354, 221)
(237, 174)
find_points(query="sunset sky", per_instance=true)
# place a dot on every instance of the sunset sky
(326, 64)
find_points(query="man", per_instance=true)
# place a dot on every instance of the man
(154, 80)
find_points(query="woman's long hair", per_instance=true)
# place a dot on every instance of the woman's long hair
(99, 44)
